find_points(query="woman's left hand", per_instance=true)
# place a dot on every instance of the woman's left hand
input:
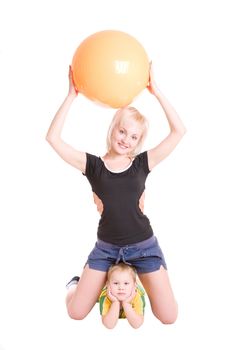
(152, 87)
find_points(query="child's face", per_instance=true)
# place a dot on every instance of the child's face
(126, 136)
(121, 284)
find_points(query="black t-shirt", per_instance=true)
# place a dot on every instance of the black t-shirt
(122, 222)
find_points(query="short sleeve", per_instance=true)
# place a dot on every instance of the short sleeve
(104, 302)
(139, 301)
(91, 165)
(141, 161)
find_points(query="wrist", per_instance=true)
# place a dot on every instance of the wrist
(70, 97)
(157, 93)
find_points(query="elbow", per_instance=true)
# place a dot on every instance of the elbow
(137, 322)
(137, 326)
(48, 138)
(109, 325)
(181, 132)
(184, 130)
(51, 140)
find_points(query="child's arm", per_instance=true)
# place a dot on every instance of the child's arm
(134, 319)
(111, 318)
(177, 128)
(65, 151)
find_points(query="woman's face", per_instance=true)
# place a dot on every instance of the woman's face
(121, 284)
(126, 136)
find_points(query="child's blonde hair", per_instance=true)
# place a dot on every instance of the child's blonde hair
(122, 267)
(133, 113)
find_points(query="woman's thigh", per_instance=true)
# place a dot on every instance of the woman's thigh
(159, 291)
(82, 298)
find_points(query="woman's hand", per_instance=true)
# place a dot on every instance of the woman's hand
(73, 91)
(152, 87)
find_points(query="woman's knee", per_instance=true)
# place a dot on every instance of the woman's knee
(168, 317)
(76, 314)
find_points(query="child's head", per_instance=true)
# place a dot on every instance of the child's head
(127, 131)
(121, 279)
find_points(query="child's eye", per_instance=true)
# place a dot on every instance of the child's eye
(116, 283)
(126, 283)
(134, 138)
(121, 131)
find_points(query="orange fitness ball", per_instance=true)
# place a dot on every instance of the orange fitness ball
(110, 67)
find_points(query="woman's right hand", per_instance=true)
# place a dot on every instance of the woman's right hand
(73, 91)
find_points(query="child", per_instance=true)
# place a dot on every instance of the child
(122, 297)
(118, 180)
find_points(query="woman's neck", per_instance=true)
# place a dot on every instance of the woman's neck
(113, 156)
(116, 162)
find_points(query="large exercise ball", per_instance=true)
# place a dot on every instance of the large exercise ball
(110, 67)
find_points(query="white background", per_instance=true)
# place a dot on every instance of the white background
(48, 221)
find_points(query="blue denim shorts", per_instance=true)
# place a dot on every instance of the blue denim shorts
(145, 256)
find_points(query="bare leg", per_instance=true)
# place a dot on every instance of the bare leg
(82, 297)
(159, 291)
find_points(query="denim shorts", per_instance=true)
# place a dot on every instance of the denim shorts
(145, 256)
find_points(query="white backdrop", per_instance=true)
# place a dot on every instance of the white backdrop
(48, 221)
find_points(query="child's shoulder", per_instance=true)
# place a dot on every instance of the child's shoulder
(140, 289)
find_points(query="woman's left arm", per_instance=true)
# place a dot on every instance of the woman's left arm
(177, 128)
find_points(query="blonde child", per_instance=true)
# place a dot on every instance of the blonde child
(122, 297)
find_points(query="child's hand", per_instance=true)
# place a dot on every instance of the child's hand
(73, 91)
(110, 296)
(130, 298)
(152, 87)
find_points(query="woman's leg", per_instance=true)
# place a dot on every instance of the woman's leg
(82, 297)
(159, 291)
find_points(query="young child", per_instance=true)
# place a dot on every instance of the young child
(118, 180)
(122, 297)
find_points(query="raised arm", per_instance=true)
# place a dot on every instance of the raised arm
(65, 151)
(177, 128)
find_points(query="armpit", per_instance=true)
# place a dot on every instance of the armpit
(141, 202)
(99, 203)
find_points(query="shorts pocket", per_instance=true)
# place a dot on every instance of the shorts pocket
(98, 253)
(151, 252)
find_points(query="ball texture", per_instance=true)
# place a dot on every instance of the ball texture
(110, 67)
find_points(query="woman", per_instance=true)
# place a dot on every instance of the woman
(118, 182)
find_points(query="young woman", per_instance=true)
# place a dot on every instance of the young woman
(118, 180)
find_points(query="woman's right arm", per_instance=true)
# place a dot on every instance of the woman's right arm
(65, 151)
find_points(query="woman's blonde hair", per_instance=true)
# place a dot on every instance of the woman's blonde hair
(133, 113)
(122, 267)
